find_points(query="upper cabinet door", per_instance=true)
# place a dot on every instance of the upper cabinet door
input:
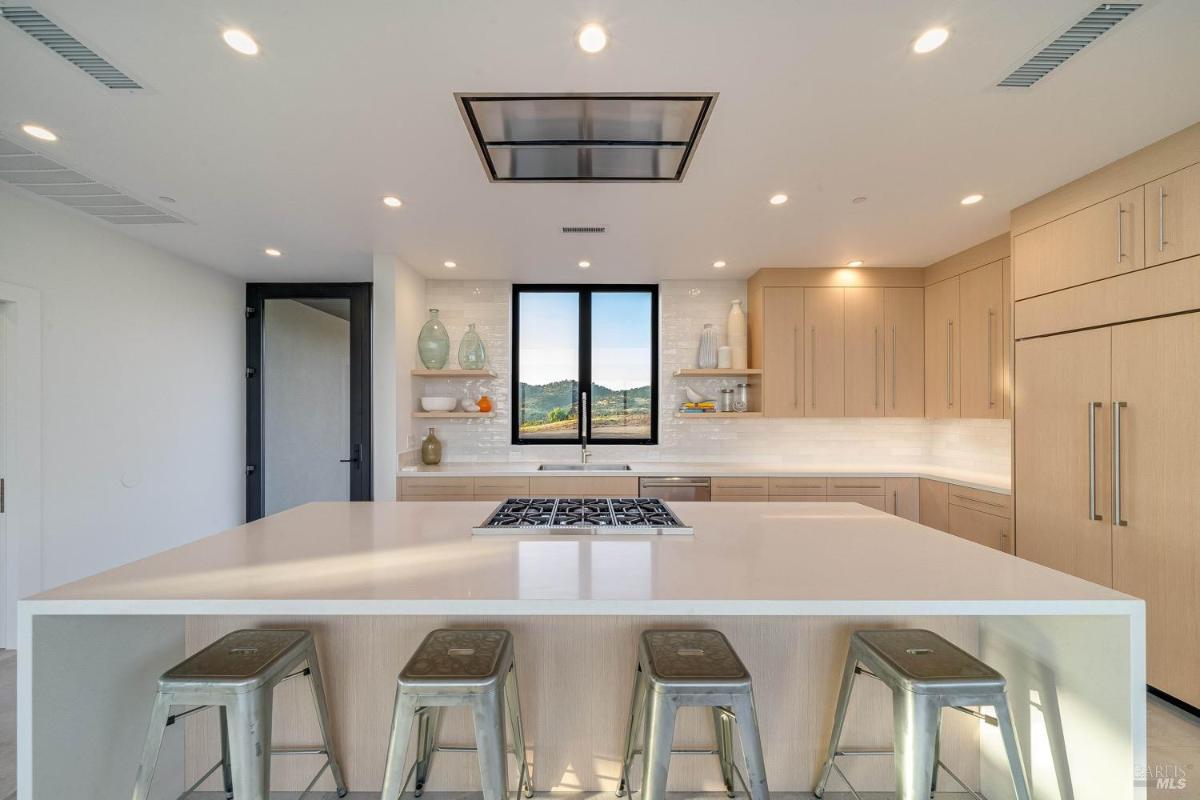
(1097, 242)
(903, 352)
(942, 335)
(783, 352)
(825, 352)
(865, 357)
(981, 311)
(1173, 216)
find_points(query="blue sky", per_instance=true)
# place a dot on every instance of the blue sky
(620, 338)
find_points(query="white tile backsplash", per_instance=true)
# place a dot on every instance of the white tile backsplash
(980, 446)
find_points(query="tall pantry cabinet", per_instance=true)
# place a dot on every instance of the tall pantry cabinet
(1106, 436)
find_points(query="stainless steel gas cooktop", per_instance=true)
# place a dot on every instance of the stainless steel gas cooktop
(582, 515)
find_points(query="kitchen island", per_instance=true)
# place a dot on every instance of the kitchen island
(786, 582)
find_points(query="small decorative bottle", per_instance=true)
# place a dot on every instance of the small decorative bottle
(707, 358)
(433, 345)
(471, 354)
(431, 449)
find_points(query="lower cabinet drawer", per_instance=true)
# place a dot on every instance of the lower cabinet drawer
(571, 486)
(745, 489)
(797, 487)
(985, 529)
(855, 486)
(437, 488)
(508, 487)
(868, 500)
(980, 500)
(739, 498)
(800, 498)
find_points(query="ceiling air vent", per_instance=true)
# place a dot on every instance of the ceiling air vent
(585, 229)
(585, 138)
(1087, 30)
(64, 44)
(40, 175)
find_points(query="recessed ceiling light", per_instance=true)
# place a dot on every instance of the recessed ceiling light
(38, 132)
(858, 262)
(971, 199)
(449, 264)
(241, 41)
(584, 264)
(592, 38)
(719, 264)
(778, 199)
(273, 253)
(391, 201)
(931, 40)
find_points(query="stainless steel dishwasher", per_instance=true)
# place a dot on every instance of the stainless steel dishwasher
(674, 488)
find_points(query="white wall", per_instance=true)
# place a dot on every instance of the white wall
(143, 390)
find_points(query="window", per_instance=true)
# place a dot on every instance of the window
(602, 338)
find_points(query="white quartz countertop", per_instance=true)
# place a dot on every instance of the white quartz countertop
(975, 480)
(421, 558)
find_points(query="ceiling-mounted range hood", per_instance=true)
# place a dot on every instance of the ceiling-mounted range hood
(586, 137)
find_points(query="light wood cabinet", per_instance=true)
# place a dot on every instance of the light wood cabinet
(501, 488)
(855, 486)
(783, 352)
(942, 335)
(825, 353)
(981, 360)
(903, 352)
(976, 526)
(1063, 394)
(902, 497)
(798, 487)
(1173, 216)
(980, 500)
(1097, 242)
(1156, 549)
(875, 501)
(739, 489)
(934, 504)
(439, 488)
(864, 360)
(580, 486)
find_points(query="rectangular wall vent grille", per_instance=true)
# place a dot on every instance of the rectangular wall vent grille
(585, 229)
(1087, 30)
(64, 44)
(40, 175)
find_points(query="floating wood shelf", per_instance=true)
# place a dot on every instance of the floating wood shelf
(719, 415)
(715, 373)
(453, 414)
(453, 373)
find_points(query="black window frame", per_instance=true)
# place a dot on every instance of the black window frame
(585, 291)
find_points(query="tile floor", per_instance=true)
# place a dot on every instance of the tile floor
(1173, 735)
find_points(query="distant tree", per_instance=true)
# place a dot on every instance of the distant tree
(558, 414)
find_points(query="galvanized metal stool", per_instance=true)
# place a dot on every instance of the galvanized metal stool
(474, 668)
(926, 674)
(238, 674)
(691, 668)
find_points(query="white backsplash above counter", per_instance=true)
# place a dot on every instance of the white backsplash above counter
(976, 446)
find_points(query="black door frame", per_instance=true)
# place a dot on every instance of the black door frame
(359, 447)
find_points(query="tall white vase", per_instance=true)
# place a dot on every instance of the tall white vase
(707, 357)
(735, 331)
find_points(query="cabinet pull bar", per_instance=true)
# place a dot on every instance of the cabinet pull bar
(895, 502)
(893, 365)
(1162, 224)
(876, 370)
(1116, 437)
(981, 502)
(812, 368)
(796, 363)
(1120, 233)
(990, 365)
(1092, 515)
(949, 367)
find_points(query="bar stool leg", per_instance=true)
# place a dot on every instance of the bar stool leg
(914, 723)
(756, 769)
(658, 737)
(318, 689)
(1016, 764)
(488, 710)
(512, 697)
(226, 768)
(250, 745)
(154, 736)
(403, 712)
(637, 707)
(428, 721)
(723, 726)
(839, 720)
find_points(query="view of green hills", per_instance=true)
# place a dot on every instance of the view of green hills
(549, 410)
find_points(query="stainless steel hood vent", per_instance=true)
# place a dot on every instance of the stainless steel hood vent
(586, 137)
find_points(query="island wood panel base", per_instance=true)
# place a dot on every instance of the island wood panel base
(576, 675)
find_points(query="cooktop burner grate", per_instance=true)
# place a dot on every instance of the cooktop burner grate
(583, 514)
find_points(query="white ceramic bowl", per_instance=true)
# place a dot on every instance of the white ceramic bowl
(438, 403)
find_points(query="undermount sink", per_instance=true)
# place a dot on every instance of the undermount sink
(583, 467)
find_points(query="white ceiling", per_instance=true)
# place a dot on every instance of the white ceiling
(821, 99)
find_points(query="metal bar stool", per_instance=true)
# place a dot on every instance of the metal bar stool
(691, 668)
(238, 674)
(926, 674)
(474, 668)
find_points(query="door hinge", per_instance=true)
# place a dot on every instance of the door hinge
(249, 312)
(249, 469)
(250, 372)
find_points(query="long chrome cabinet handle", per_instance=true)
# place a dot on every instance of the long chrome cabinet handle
(812, 367)
(876, 370)
(990, 362)
(893, 366)
(1116, 437)
(1162, 218)
(949, 367)
(1092, 515)
(796, 365)
(1120, 233)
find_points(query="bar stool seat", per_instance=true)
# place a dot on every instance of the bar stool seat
(678, 668)
(474, 668)
(926, 673)
(238, 674)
